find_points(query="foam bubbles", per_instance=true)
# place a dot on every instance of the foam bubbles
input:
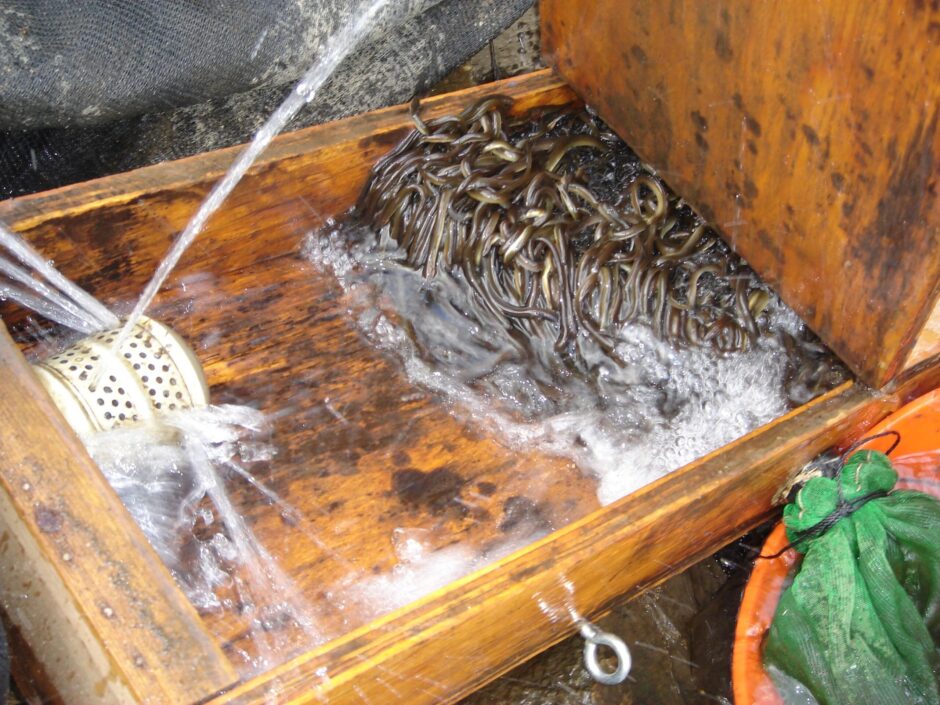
(627, 425)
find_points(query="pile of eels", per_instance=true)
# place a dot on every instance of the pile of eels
(506, 203)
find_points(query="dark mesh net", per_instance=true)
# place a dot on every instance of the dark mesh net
(97, 87)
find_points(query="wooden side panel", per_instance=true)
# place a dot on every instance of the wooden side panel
(808, 131)
(79, 579)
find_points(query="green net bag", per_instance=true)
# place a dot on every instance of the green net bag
(861, 621)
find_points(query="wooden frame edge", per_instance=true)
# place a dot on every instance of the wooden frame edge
(99, 601)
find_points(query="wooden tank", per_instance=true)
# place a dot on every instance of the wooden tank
(99, 615)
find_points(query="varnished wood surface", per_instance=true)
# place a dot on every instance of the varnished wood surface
(468, 633)
(808, 131)
(362, 452)
(78, 577)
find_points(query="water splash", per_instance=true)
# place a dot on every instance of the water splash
(627, 425)
(169, 476)
(60, 300)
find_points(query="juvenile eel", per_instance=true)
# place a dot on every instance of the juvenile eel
(492, 197)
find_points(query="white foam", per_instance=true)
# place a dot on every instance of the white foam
(421, 570)
(626, 425)
(164, 472)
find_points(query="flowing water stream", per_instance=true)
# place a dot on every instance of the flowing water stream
(58, 299)
(337, 49)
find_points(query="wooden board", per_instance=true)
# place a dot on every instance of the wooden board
(808, 131)
(272, 330)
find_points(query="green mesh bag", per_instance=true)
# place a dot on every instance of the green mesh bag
(860, 623)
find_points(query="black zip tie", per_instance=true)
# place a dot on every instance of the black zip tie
(843, 509)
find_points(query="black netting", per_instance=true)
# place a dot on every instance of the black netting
(96, 87)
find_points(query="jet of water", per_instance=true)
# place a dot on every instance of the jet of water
(70, 305)
(339, 46)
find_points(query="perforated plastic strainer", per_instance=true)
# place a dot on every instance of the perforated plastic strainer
(98, 388)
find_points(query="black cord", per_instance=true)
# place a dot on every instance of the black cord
(859, 443)
(843, 509)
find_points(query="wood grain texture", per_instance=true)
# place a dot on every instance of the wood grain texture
(362, 451)
(463, 636)
(808, 131)
(78, 578)
(928, 340)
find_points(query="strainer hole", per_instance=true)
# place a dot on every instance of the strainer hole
(172, 407)
(159, 380)
(128, 405)
(158, 405)
(151, 367)
(121, 417)
(143, 355)
(114, 402)
(108, 415)
(72, 368)
(153, 392)
(127, 355)
(144, 378)
(179, 395)
(89, 367)
(83, 376)
(166, 393)
(166, 368)
(100, 401)
(120, 390)
(112, 378)
(136, 365)
(108, 390)
(172, 381)
(133, 344)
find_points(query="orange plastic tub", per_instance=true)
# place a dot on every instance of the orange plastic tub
(916, 458)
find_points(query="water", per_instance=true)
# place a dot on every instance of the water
(45, 307)
(171, 476)
(71, 305)
(339, 46)
(626, 425)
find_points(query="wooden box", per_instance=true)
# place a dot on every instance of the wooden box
(100, 615)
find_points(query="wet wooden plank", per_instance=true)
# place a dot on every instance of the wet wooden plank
(463, 636)
(78, 577)
(361, 451)
(808, 131)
